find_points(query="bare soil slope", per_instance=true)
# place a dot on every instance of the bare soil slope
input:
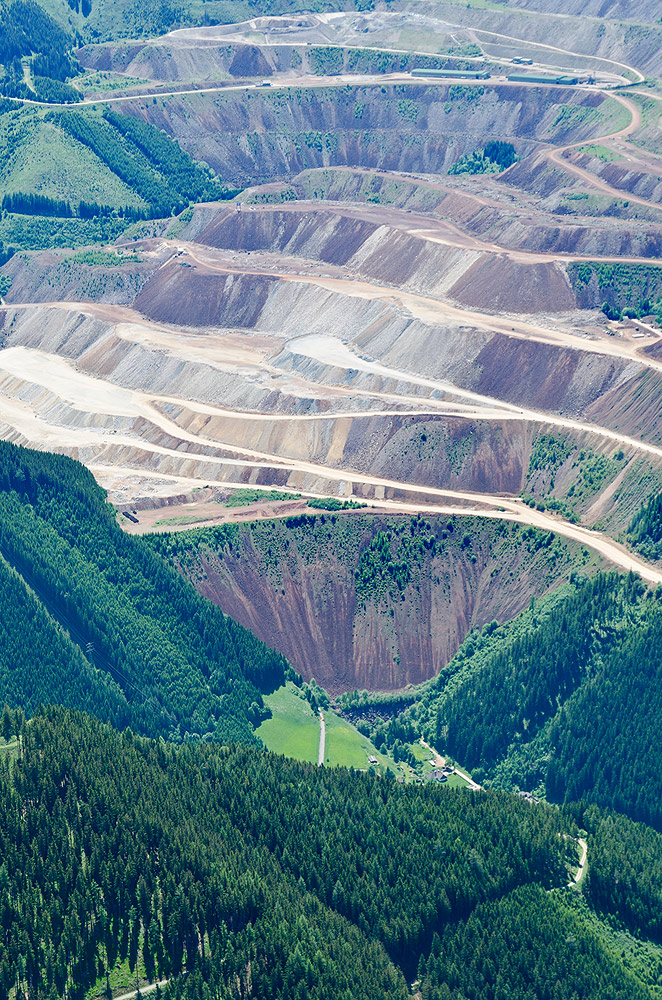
(366, 601)
(250, 135)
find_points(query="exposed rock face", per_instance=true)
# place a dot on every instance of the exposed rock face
(367, 601)
(248, 136)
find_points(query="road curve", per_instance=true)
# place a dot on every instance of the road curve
(142, 991)
(557, 157)
(433, 499)
(429, 309)
(303, 83)
(490, 506)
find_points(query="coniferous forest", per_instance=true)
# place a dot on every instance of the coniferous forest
(144, 827)
(402, 742)
(260, 876)
(127, 638)
(564, 701)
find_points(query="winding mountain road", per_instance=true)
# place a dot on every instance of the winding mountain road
(94, 395)
(558, 158)
(430, 309)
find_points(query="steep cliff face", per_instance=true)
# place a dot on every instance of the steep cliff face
(369, 601)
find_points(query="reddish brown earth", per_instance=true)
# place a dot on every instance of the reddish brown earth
(295, 587)
(499, 283)
(190, 297)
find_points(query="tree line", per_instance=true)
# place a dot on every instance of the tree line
(255, 874)
(21, 203)
(147, 160)
(565, 699)
(645, 529)
(160, 657)
(624, 877)
(26, 28)
(525, 946)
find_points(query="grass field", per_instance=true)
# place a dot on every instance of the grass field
(293, 729)
(131, 19)
(455, 781)
(420, 753)
(40, 158)
(602, 152)
(346, 747)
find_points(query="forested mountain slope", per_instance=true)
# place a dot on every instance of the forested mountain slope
(267, 878)
(97, 621)
(564, 700)
(255, 875)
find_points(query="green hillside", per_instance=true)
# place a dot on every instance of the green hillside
(311, 882)
(321, 881)
(193, 803)
(119, 633)
(551, 701)
(41, 158)
(101, 20)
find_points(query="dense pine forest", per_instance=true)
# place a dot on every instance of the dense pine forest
(470, 960)
(232, 872)
(645, 530)
(260, 876)
(26, 30)
(122, 635)
(146, 160)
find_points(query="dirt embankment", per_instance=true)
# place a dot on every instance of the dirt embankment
(392, 248)
(270, 135)
(454, 452)
(192, 57)
(323, 590)
(630, 178)
(66, 276)
(276, 313)
(169, 62)
(644, 11)
(194, 298)
(555, 226)
(589, 34)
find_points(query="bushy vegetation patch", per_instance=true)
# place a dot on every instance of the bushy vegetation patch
(633, 290)
(493, 158)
